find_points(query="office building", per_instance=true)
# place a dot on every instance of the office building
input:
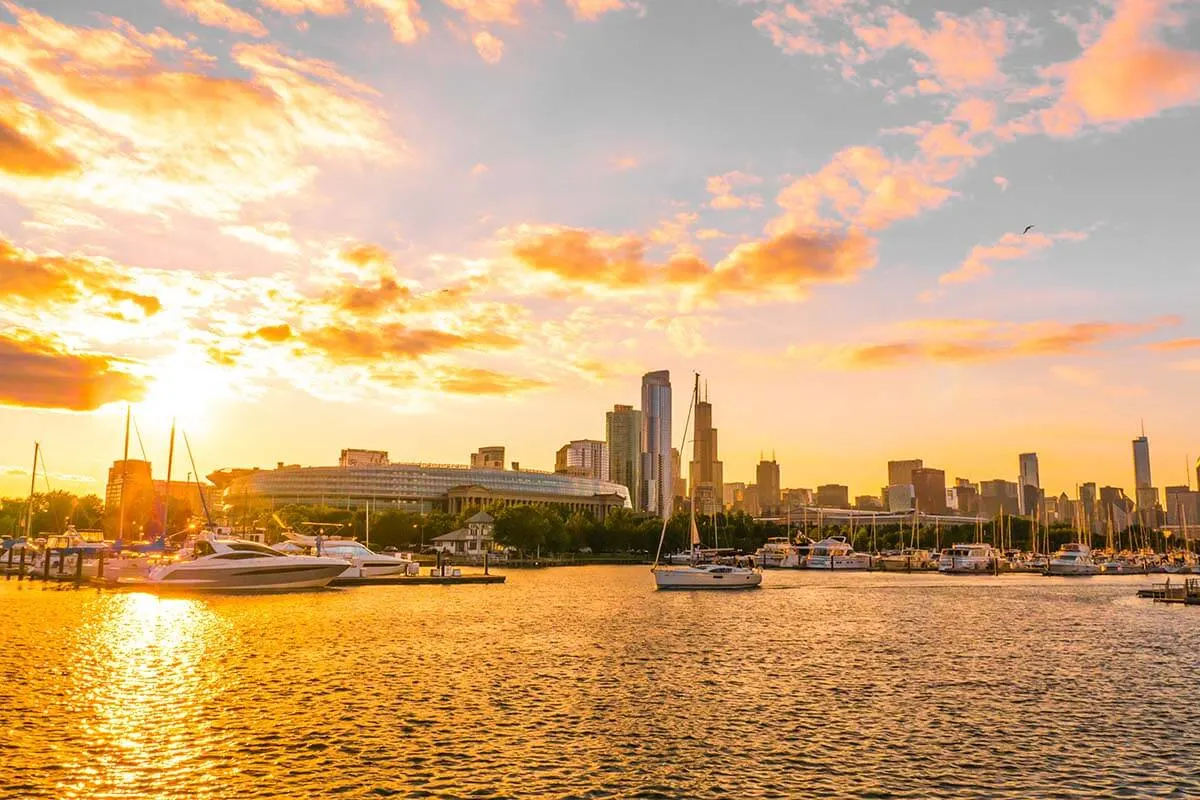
(833, 495)
(929, 489)
(658, 475)
(131, 479)
(1030, 483)
(587, 458)
(900, 472)
(900, 497)
(767, 480)
(733, 494)
(705, 473)
(1145, 495)
(996, 496)
(1087, 511)
(1183, 508)
(488, 458)
(868, 502)
(623, 432)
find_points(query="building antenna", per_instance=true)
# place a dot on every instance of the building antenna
(1143, 428)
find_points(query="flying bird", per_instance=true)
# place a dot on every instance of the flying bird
(1028, 228)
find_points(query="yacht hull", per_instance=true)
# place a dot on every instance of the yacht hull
(1072, 570)
(246, 579)
(685, 579)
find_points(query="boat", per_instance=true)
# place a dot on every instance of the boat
(906, 560)
(1073, 558)
(835, 552)
(364, 563)
(969, 559)
(778, 552)
(720, 576)
(214, 563)
(1122, 565)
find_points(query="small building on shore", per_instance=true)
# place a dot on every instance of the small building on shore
(477, 538)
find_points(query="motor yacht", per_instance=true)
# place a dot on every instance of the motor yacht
(836, 553)
(778, 553)
(365, 564)
(906, 560)
(969, 559)
(222, 564)
(1073, 559)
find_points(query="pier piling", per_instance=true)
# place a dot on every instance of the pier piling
(8, 571)
(21, 567)
(46, 566)
(78, 569)
(485, 562)
(100, 566)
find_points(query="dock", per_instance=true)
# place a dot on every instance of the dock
(1186, 592)
(420, 580)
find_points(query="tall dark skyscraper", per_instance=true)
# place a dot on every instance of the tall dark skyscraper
(658, 479)
(706, 474)
(767, 475)
(623, 432)
(1030, 482)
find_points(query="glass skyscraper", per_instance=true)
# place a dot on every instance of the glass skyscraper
(658, 475)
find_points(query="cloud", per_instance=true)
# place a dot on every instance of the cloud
(274, 333)
(1001, 181)
(1175, 345)
(479, 169)
(151, 137)
(954, 341)
(52, 281)
(218, 14)
(473, 380)
(723, 188)
(36, 373)
(344, 343)
(273, 236)
(1127, 73)
(784, 265)
(862, 186)
(623, 163)
(489, 47)
(24, 155)
(592, 10)
(980, 263)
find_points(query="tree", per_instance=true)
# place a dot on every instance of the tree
(528, 528)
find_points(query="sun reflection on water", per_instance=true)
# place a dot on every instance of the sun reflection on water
(142, 683)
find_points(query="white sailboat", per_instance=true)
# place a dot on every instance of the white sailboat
(696, 575)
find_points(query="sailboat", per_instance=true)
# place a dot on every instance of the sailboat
(696, 575)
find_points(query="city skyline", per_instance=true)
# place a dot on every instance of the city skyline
(304, 226)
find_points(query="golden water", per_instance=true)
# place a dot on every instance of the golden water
(585, 682)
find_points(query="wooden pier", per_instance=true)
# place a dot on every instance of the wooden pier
(420, 580)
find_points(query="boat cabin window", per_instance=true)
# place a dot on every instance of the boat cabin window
(203, 548)
(236, 556)
(251, 547)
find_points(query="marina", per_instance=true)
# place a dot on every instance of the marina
(587, 682)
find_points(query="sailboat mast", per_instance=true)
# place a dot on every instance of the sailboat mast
(37, 448)
(682, 447)
(124, 477)
(167, 498)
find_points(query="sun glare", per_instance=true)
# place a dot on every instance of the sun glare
(183, 389)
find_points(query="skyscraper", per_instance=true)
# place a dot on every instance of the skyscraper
(929, 487)
(658, 479)
(900, 472)
(584, 457)
(767, 476)
(1087, 508)
(1144, 494)
(705, 472)
(623, 432)
(1031, 484)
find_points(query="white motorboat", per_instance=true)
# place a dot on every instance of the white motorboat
(835, 552)
(1118, 565)
(779, 553)
(968, 559)
(219, 564)
(1073, 559)
(365, 564)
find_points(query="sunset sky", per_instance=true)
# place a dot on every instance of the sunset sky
(303, 225)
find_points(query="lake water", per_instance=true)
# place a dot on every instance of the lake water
(586, 683)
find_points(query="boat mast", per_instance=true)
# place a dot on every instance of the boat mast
(682, 448)
(124, 478)
(37, 449)
(167, 498)
(199, 489)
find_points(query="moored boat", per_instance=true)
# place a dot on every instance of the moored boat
(1073, 558)
(969, 559)
(906, 560)
(835, 552)
(221, 564)
(778, 553)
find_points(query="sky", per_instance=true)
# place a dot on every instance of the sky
(304, 225)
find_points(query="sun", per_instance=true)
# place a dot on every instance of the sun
(184, 388)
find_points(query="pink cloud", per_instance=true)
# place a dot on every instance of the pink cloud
(724, 188)
(980, 263)
(490, 48)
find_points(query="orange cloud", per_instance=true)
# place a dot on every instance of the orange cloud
(961, 52)
(1010, 247)
(218, 14)
(274, 333)
(723, 188)
(977, 341)
(624, 163)
(22, 156)
(1001, 181)
(1128, 73)
(30, 279)
(323, 8)
(490, 48)
(862, 186)
(364, 256)
(786, 265)
(150, 137)
(1175, 345)
(402, 16)
(473, 380)
(592, 10)
(344, 343)
(486, 11)
(793, 30)
(35, 372)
